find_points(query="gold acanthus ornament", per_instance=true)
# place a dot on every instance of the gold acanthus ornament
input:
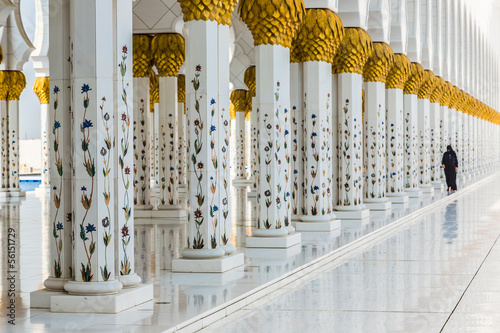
(379, 64)
(353, 53)
(239, 99)
(294, 52)
(319, 37)
(454, 98)
(200, 10)
(462, 99)
(428, 83)
(142, 55)
(438, 91)
(232, 112)
(181, 90)
(226, 11)
(399, 73)
(446, 97)
(272, 22)
(41, 87)
(154, 90)
(415, 80)
(4, 85)
(249, 79)
(168, 53)
(17, 82)
(248, 111)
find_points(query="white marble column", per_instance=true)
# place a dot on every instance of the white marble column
(124, 154)
(181, 130)
(318, 211)
(396, 174)
(424, 135)
(239, 101)
(168, 56)
(17, 82)
(154, 99)
(297, 126)
(4, 126)
(41, 87)
(142, 184)
(436, 134)
(411, 130)
(94, 195)
(250, 82)
(60, 138)
(205, 121)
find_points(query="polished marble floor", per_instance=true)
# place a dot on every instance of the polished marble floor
(439, 271)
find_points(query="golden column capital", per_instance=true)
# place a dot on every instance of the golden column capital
(226, 11)
(462, 99)
(379, 64)
(354, 50)
(168, 53)
(181, 90)
(399, 73)
(232, 112)
(415, 79)
(438, 90)
(294, 52)
(249, 79)
(248, 111)
(142, 55)
(4, 85)
(17, 83)
(154, 90)
(428, 84)
(319, 37)
(239, 99)
(454, 98)
(272, 22)
(41, 87)
(445, 98)
(200, 10)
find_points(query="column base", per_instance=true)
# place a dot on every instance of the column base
(241, 182)
(142, 207)
(413, 192)
(397, 198)
(55, 284)
(381, 205)
(326, 226)
(359, 214)
(214, 265)
(228, 248)
(40, 299)
(297, 218)
(355, 223)
(271, 254)
(167, 217)
(123, 300)
(43, 190)
(4, 194)
(252, 193)
(427, 188)
(130, 281)
(273, 242)
(17, 193)
(93, 288)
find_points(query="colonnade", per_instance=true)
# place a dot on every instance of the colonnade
(348, 113)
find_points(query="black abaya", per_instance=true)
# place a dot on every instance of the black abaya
(450, 162)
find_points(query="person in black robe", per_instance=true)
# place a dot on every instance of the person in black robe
(450, 166)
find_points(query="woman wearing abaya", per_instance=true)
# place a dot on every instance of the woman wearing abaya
(450, 166)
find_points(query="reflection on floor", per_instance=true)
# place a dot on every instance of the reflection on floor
(409, 282)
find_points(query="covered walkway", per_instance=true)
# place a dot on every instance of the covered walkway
(440, 273)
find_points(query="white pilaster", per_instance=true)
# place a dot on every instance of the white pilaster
(297, 125)
(411, 145)
(424, 156)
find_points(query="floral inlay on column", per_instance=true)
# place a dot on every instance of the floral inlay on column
(125, 265)
(57, 225)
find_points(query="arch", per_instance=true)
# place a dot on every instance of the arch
(398, 35)
(379, 21)
(414, 37)
(426, 34)
(40, 55)
(354, 13)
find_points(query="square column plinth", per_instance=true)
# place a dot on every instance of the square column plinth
(398, 199)
(274, 242)
(215, 265)
(382, 205)
(63, 302)
(317, 226)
